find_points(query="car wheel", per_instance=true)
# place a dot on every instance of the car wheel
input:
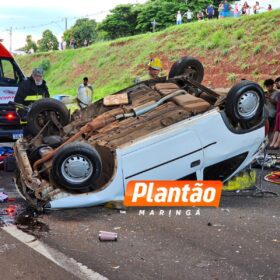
(40, 114)
(188, 66)
(245, 103)
(76, 166)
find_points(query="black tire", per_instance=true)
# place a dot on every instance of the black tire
(245, 103)
(190, 66)
(39, 115)
(76, 177)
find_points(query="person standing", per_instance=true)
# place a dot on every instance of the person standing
(235, 10)
(189, 15)
(227, 8)
(200, 15)
(221, 10)
(272, 97)
(85, 94)
(179, 18)
(256, 8)
(210, 11)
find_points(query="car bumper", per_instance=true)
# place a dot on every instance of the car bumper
(11, 134)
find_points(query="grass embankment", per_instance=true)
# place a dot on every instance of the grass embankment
(230, 49)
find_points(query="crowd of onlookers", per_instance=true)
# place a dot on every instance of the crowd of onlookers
(273, 109)
(224, 10)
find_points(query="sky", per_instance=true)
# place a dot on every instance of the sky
(25, 16)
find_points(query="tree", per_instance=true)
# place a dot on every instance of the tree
(30, 44)
(83, 29)
(48, 42)
(164, 12)
(121, 22)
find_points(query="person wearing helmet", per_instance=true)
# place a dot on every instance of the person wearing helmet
(155, 66)
(154, 69)
(32, 89)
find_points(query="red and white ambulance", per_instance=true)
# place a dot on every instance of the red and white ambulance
(10, 77)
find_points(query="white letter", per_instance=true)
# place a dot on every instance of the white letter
(186, 189)
(206, 197)
(196, 197)
(177, 195)
(161, 212)
(197, 213)
(136, 192)
(152, 213)
(161, 197)
(188, 213)
(141, 212)
(178, 212)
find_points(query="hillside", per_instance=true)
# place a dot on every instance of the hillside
(230, 49)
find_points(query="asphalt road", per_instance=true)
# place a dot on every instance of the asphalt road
(239, 240)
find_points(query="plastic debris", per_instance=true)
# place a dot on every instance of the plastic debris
(108, 236)
(3, 197)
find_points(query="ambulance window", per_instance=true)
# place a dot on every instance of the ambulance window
(8, 69)
(8, 76)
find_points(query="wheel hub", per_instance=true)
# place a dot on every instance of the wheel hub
(248, 104)
(77, 168)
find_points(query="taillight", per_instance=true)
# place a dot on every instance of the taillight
(10, 116)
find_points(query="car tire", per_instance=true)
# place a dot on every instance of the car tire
(76, 167)
(42, 108)
(188, 66)
(245, 103)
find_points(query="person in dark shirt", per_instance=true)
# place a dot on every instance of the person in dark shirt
(32, 89)
(210, 11)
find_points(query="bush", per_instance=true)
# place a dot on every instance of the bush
(45, 64)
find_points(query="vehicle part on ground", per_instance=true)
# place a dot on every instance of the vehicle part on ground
(245, 102)
(45, 110)
(76, 166)
(189, 67)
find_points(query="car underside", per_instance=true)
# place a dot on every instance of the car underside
(89, 160)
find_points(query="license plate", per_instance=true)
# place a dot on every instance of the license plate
(17, 136)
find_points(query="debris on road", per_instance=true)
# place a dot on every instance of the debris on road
(108, 236)
(3, 197)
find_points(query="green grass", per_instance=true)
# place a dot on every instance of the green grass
(114, 65)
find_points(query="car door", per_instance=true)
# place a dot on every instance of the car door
(9, 79)
(170, 155)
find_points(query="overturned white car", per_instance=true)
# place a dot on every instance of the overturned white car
(169, 129)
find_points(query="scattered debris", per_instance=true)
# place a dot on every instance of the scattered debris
(108, 236)
(3, 197)
(122, 212)
(276, 240)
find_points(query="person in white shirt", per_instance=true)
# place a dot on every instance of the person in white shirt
(179, 18)
(85, 94)
(189, 15)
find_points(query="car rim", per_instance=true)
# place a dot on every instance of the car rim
(191, 73)
(248, 104)
(77, 168)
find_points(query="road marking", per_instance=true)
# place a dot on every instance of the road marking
(69, 264)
